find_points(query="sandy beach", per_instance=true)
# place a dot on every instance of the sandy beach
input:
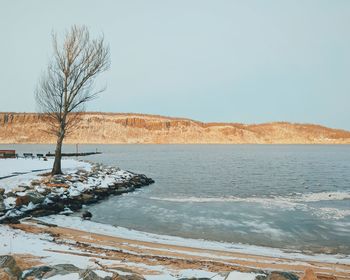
(151, 259)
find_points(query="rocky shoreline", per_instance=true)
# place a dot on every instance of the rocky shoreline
(9, 269)
(67, 193)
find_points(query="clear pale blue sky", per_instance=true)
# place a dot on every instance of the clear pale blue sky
(234, 61)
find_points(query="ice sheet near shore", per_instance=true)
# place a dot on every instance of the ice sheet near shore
(77, 223)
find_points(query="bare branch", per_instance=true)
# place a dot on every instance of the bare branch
(67, 84)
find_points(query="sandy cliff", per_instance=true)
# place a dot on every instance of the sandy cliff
(110, 128)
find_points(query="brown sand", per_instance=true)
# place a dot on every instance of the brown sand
(180, 257)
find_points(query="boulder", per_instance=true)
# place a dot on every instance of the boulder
(19, 189)
(22, 200)
(87, 198)
(261, 277)
(37, 272)
(2, 205)
(75, 204)
(42, 190)
(10, 194)
(57, 179)
(35, 197)
(101, 192)
(57, 185)
(126, 277)
(122, 190)
(276, 275)
(43, 272)
(88, 274)
(66, 211)
(2, 191)
(86, 215)
(9, 267)
(35, 183)
(47, 210)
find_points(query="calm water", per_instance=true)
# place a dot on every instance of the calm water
(285, 196)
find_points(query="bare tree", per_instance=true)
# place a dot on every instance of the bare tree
(67, 85)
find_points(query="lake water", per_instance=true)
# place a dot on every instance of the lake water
(295, 197)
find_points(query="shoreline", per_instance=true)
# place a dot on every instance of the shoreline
(73, 222)
(70, 240)
(47, 195)
(151, 258)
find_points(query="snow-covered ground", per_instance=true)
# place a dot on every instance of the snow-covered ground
(27, 183)
(26, 170)
(13, 241)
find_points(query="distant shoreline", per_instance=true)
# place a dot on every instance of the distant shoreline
(117, 128)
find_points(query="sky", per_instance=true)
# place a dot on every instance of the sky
(214, 61)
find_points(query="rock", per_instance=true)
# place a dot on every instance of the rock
(10, 194)
(18, 189)
(2, 191)
(22, 200)
(75, 204)
(37, 272)
(48, 209)
(86, 215)
(126, 277)
(87, 198)
(57, 185)
(82, 179)
(9, 267)
(42, 212)
(102, 192)
(62, 269)
(276, 275)
(2, 204)
(52, 195)
(35, 183)
(309, 275)
(57, 179)
(35, 197)
(121, 190)
(43, 272)
(42, 190)
(89, 275)
(66, 211)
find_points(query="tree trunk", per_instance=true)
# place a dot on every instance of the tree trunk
(56, 169)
